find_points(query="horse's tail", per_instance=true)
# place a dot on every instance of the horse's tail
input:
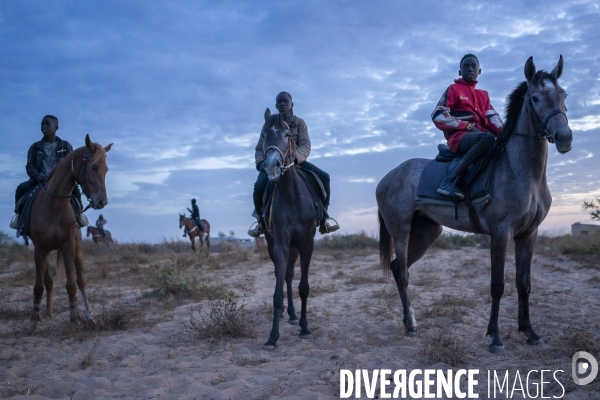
(61, 275)
(385, 245)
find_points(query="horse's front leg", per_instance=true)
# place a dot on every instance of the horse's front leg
(523, 255)
(289, 277)
(303, 287)
(498, 247)
(81, 284)
(40, 256)
(68, 252)
(49, 286)
(280, 257)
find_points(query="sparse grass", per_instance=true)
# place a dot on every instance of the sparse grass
(12, 251)
(221, 319)
(453, 241)
(347, 242)
(87, 361)
(12, 313)
(365, 280)
(321, 289)
(450, 305)
(442, 346)
(584, 248)
(580, 339)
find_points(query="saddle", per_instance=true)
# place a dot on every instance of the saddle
(24, 210)
(315, 186)
(475, 183)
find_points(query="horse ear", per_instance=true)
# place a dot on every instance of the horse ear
(107, 148)
(557, 71)
(529, 69)
(88, 142)
(267, 114)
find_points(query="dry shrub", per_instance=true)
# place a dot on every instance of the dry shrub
(580, 339)
(365, 280)
(221, 319)
(26, 277)
(583, 248)
(87, 361)
(450, 305)
(454, 241)
(12, 313)
(321, 289)
(12, 251)
(442, 346)
(348, 242)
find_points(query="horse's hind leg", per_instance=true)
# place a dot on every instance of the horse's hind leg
(40, 256)
(303, 287)
(49, 286)
(423, 233)
(523, 254)
(68, 252)
(289, 277)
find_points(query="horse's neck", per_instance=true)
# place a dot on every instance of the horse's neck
(62, 181)
(527, 156)
(289, 185)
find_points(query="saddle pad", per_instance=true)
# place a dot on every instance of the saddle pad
(24, 206)
(476, 181)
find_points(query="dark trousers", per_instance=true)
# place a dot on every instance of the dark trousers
(31, 183)
(473, 145)
(262, 180)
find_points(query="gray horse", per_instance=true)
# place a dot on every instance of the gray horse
(292, 226)
(535, 115)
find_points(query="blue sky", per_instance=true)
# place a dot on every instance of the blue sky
(180, 87)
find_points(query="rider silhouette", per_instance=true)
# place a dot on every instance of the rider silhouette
(195, 216)
(299, 131)
(100, 222)
(468, 120)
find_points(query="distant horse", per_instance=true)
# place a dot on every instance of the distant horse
(194, 231)
(293, 223)
(520, 199)
(97, 236)
(54, 226)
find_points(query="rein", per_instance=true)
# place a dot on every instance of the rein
(288, 151)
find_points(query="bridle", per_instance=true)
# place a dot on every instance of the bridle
(81, 172)
(542, 123)
(289, 151)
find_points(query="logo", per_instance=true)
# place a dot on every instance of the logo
(581, 368)
(464, 98)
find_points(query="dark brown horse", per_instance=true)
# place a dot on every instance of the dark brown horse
(293, 223)
(193, 231)
(97, 236)
(54, 226)
(520, 199)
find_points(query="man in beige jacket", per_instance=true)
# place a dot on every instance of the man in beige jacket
(299, 131)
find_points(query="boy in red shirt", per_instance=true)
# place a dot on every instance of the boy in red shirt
(468, 120)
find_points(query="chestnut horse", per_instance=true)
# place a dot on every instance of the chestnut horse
(54, 226)
(97, 236)
(194, 231)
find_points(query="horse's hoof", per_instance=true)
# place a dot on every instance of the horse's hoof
(306, 336)
(32, 328)
(293, 322)
(268, 347)
(89, 315)
(411, 333)
(535, 341)
(494, 349)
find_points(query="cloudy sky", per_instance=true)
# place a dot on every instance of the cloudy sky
(180, 87)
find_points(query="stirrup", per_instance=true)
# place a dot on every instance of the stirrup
(256, 231)
(14, 222)
(82, 220)
(327, 228)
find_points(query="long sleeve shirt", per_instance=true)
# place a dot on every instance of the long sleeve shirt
(299, 132)
(460, 105)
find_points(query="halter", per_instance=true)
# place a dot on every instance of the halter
(288, 151)
(81, 171)
(543, 133)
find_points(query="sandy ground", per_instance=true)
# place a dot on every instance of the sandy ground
(354, 315)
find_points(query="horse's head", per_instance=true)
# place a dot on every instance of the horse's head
(278, 146)
(182, 220)
(88, 165)
(545, 100)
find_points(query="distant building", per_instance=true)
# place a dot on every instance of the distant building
(584, 229)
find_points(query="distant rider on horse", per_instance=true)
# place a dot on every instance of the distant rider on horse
(468, 120)
(299, 132)
(42, 157)
(195, 216)
(100, 222)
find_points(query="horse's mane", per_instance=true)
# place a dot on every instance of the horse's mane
(99, 153)
(515, 101)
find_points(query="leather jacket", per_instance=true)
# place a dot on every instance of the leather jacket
(36, 155)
